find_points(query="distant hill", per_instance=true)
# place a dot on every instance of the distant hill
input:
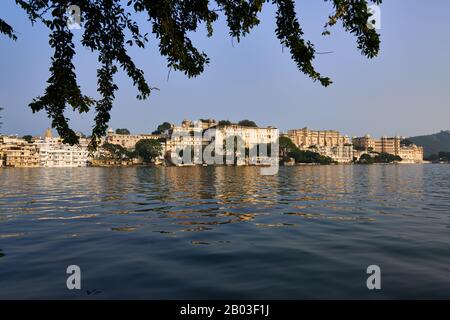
(433, 143)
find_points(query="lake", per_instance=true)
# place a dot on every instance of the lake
(225, 232)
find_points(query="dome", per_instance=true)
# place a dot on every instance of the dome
(48, 134)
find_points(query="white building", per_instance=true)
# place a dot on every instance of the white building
(411, 154)
(196, 137)
(54, 153)
(338, 153)
(254, 141)
(187, 137)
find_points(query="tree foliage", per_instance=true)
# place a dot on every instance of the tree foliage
(109, 28)
(433, 143)
(117, 152)
(444, 156)
(406, 143)
(387, 158)
(123, 131)
(162, 127)
(306, 156)
(366, 159)
(148, 149)
(286, 146)
(247, 123)
(379, 158)
(224, 123)
(28, 138)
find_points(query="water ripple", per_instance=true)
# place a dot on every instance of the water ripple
(226, 232)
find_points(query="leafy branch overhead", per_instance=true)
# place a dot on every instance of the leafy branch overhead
(108, 28)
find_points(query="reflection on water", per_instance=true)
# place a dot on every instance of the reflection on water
(225, 232)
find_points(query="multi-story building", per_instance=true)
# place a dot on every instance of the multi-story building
(42, 152)
(187, 136)
(21, 156)
(340, 153)
(411, 154)
(207, 123)
(17, 152)
(62, 155)
(128, 141)
(252, 139)
(54, 153)
(384, 144)
(391, 145)
(304, 138)
(11, 140)
(196, 136)
(365, 143)
(328, 143)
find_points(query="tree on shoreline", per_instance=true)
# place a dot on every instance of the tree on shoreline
(442, 156)
(118, 152)
(148, 149)
(109, 28)
(306, 156)
(378, 158)
(286, 146)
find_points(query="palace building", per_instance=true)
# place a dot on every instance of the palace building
(17, 152)
(128, 141)
(328, 143)
(54, 153)
(391, 145)
(326, 138)
(200, 134)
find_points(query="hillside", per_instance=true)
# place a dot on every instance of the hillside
(433, 143)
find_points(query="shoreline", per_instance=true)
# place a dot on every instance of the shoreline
(202, 166)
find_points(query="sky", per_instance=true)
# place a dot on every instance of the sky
(404, 91)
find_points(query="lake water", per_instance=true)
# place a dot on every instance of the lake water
(226, 232)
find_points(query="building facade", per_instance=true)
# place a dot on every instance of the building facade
(17, 152)
(391, 145)
(304, 138)
(21, 156)
(128, 141)
(329, 143)
(411, 154)
(194, 137)
(384, 144)
(340, 153)
(56, 154)
(255, 142)
(188, 137)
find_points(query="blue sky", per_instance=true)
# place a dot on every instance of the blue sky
(405, 91)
